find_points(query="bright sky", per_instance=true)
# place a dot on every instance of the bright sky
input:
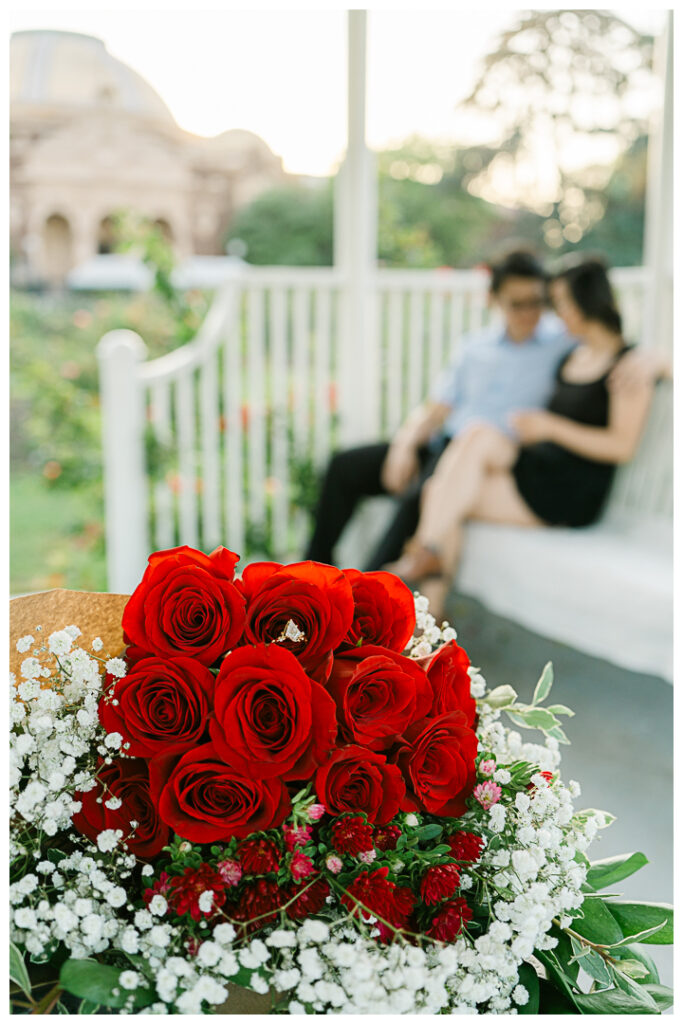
(282, 74)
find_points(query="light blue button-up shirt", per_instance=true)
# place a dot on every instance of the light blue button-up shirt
(493, 376)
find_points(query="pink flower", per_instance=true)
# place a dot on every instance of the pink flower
(487, 767)
(230, 871)
(296, 835)
(334, 863)
(316, 811)
(367, 856)
(301, 866)
(487, 793)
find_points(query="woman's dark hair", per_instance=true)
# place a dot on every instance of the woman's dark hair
(591, 290)
(515, 263)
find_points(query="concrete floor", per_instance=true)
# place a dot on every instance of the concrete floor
(621, 742)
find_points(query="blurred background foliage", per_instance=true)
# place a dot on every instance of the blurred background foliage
(555, 85)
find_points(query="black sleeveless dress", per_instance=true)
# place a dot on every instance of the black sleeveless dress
(562, 488)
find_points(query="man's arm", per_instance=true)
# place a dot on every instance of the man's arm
(402, 463)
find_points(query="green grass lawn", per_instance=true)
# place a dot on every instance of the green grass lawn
(56, 536)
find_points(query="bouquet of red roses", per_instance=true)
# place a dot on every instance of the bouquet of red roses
(282, 697)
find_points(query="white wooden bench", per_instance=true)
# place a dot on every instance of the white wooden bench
(606, 589)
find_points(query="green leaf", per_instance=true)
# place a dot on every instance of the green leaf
(642, 956)
(592, 812)
(558, 733)
(529, 980)
(560, 709)
(594, 965)
(544, 684)
(615, 1000)
(613, 869)
(633, 969)
(662, 995)
(635, 918)
(17, 970)
(564, 952)
(551, 1000)
(429, 832)
(95, 982)
(597, 924)
(643, 936)
(85, 1006)
(534, 718)
(501, 697)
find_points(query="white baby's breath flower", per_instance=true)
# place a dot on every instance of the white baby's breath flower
(158, 905)
(108, 839)
(116, 667)
(60, 643)
(113, 741)
(97, 644)
(25, 643)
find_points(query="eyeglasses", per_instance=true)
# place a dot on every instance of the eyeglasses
(519, 305)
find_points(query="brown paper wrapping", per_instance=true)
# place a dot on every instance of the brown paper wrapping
(94, 614)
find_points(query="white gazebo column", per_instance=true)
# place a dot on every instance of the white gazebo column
(659, 205)
(355, 254)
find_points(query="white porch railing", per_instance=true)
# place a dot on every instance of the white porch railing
(200, 445)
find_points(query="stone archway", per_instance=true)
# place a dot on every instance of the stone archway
(166, 230)
(106, 235)
(57, 248)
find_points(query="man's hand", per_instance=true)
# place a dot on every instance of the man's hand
(638, 368)
(400, 467)
(533, 425)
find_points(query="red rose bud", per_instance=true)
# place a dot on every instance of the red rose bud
(258, 856)
(352, 835)
(438, 765)
(449, 919)
(383, 613)
(163, 705)
(386, 836)
(311, 899)
(300, 866)
(305, 608)
(439, 882)
(378, 693)
(450, 681)
(258, 904)
(270, 719)
(465, 846)
(371, 894)
(186, 890)
(296, 835)
(129, 780)
(187, 604)
(358, 779)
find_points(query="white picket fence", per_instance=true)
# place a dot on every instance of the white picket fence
(271, 382)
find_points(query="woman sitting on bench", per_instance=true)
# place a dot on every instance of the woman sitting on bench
(560, 468)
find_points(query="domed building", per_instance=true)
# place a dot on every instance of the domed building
(89, 137)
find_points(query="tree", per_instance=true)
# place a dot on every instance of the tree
(562, 96)
(290, 226)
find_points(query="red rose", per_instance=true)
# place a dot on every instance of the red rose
(378, 694)
(127, 779)
(186, 603)
(371, 894)
(439, 882)
(386, 837)
(449, 919)
(163, 705)
(306, 607)
(259, 856)
(304, 900)
(447, 672)
(351, 834)
(270, 719)
(383, 613)
(203, 800)
(356, 779)
(465, 846)
(438, 765)
(258, 904)
(185, 890)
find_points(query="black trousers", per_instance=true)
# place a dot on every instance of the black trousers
(355, 474)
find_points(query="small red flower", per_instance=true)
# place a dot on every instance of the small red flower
(352, 835)
(465, 846)
(259, 856)
(310, 901)
(258, 904)
(230, 871)
(439, 882)
(185, 890)
(296, 835)
(449, 919)
(160, 888)
(386, 836)
(391, 904)
(300, 866)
